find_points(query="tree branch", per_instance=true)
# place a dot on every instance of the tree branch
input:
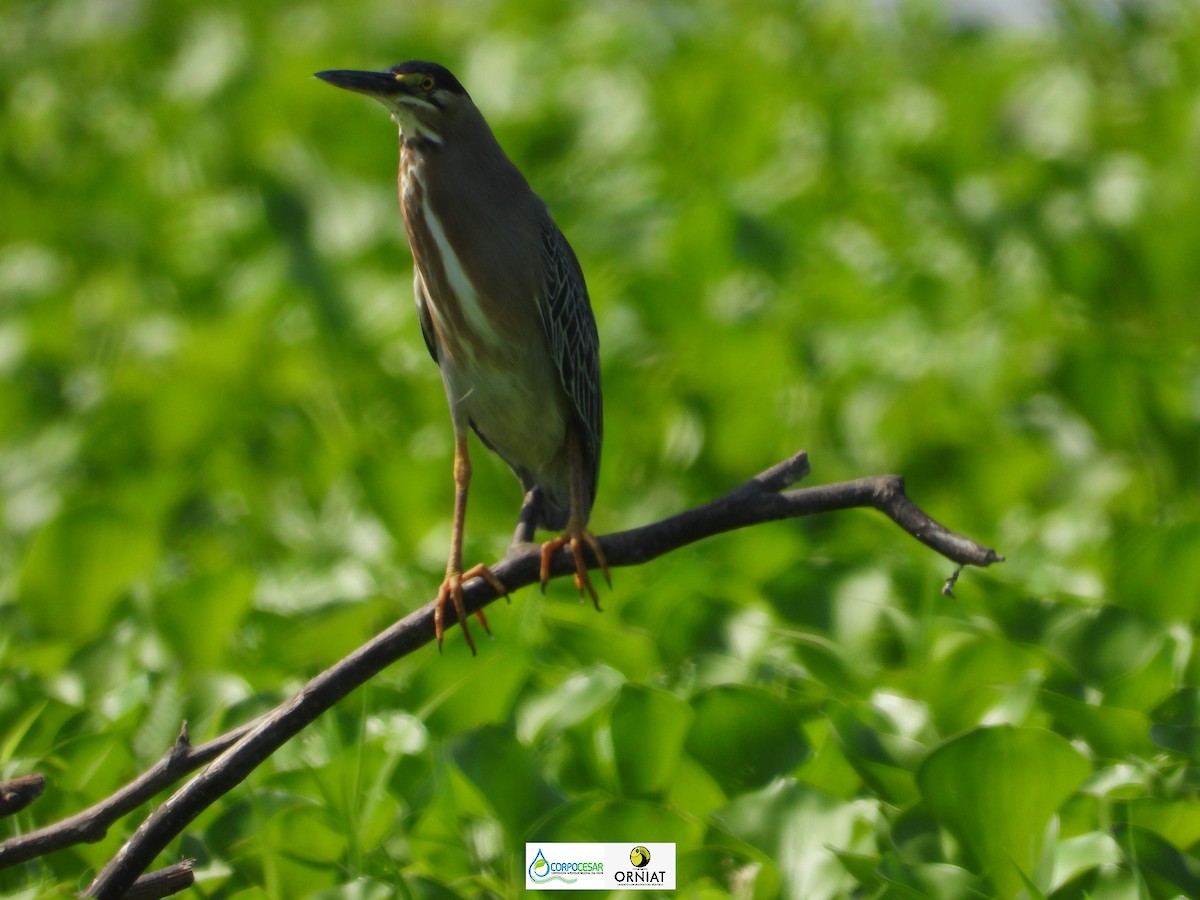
(764, 498)
(163, 883)
(18, 793)
(92, 823)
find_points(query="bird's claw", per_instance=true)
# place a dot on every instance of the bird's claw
(452, 590)
(575, 538)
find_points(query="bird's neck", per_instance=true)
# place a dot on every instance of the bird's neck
(412, 128)
(419, 142)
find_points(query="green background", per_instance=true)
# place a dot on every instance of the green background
(969, 255)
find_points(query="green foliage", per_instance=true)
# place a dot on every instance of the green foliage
(996, 789)
(900, 240)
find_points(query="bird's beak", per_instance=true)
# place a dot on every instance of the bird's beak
(373, 84)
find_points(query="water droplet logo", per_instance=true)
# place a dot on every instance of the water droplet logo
(539, 869)
(542, 870)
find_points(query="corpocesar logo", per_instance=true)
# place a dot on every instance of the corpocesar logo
(543, 870)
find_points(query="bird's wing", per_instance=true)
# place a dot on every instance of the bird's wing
(422, 298)
(574, 343)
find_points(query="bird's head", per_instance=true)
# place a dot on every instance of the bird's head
(425, 99)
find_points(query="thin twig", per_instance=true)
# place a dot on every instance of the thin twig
(163, 882)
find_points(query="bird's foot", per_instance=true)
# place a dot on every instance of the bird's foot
(575, 538)
(452, 590)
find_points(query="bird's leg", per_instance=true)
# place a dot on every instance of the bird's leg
(527, 518)
(576, 534)
(451, 588)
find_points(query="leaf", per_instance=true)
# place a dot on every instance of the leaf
(504, 772)
(975, 676)
(1112, 732)
(1086, 852)
(1175, 722)
(374, 889)
(744, 736)
(1176, 821)
(755, 875)
(996, 789)
(79, 566)
(826, 662)
(310, 833)
(592, 819)
(798, 827)
(884, 761)
(1107, 642)
(927, 881)
(1144, 554)
(222, 598)
(1143, 687)
(1159, 861)
(479, 692)
(565, 704)
(649, 727)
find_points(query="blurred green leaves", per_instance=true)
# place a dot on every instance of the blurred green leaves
(744, 737)
(996, 789)
(502, 769)
(79, 566)
(649, 728)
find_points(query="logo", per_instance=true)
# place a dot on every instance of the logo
(543, 870)
(539, 869)
(641, 876)
(600, 866)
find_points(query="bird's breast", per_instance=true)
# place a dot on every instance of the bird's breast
(460, 311)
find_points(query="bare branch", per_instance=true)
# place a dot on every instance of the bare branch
(163, 882)
(762, 499)
(18, 793)
(92, 823)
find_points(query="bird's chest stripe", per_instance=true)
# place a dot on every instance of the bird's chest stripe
(463, 325)
(464, 291)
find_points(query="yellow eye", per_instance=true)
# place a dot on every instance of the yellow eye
(427, 83)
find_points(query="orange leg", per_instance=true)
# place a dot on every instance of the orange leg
(576, 535)
(451, 588)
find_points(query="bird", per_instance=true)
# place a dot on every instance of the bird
(505, 313)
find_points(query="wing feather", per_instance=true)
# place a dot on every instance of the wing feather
(574, 343)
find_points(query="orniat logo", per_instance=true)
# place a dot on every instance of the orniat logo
(641, 873)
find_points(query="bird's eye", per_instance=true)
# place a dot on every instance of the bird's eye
(427, 83)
